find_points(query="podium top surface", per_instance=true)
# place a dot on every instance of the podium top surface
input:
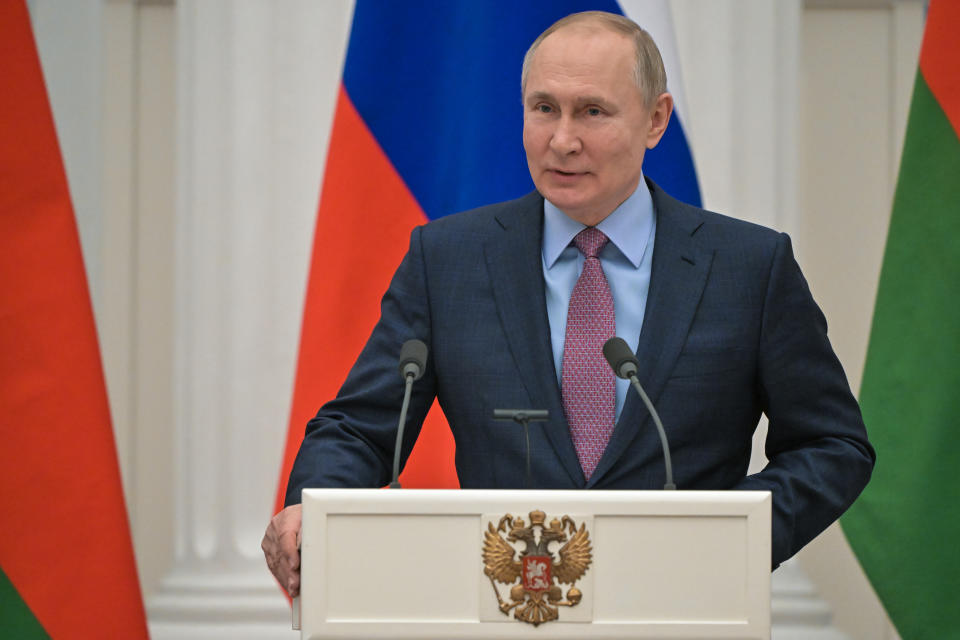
(478, 500)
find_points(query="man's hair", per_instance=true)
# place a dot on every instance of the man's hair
(651, 77)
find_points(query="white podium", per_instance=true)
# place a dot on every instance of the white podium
(422, 564)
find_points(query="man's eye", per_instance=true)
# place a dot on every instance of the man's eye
(593, 111)
(544, 108)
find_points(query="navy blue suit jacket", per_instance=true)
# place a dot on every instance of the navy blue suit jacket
(731, 331)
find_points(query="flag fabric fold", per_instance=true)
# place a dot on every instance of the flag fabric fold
(66, 558)
(905, 525)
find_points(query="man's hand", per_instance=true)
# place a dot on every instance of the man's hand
(281, 546)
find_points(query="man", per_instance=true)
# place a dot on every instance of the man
(516, 299)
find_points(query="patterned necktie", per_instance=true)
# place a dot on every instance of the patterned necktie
(589, 396)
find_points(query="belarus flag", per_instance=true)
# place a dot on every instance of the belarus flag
(66, 559)
(905, 526)
(428, 123)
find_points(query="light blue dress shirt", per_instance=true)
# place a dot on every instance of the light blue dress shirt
(626, 262)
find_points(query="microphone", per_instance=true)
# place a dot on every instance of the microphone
(620, 358)
(413, 359)
(413, 362)
(625, 365)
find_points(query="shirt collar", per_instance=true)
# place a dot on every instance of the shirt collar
(628, 227)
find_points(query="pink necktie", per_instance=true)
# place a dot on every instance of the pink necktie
(589, 396)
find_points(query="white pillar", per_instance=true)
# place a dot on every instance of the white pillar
(256, 84)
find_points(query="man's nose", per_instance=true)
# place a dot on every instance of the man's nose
(566, 138)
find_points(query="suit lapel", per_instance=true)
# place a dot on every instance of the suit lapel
(513, 256)
(679, 275)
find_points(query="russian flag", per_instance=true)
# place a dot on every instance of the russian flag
(428, 122)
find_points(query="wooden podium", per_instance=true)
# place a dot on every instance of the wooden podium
(648, 564)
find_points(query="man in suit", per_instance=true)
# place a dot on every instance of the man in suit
(516, 299)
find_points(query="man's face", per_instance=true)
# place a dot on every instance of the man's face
(585, 127)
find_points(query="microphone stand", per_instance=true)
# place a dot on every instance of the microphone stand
(408, 379)
(625, 365)
(413, 361)
(524, 417)
(663, 434)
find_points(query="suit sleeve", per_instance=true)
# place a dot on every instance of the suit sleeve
(351, 441)
(819, 456)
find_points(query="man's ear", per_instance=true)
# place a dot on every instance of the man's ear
(659, 118)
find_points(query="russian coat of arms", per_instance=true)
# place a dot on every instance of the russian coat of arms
(534, 595)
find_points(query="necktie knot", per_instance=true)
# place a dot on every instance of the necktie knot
(590, 242)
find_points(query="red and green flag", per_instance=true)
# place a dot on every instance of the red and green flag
(66, 559)
(905, 527)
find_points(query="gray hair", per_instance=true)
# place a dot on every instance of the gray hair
(650, 75)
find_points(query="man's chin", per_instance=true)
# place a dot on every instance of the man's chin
(578, 209)
(565, 197)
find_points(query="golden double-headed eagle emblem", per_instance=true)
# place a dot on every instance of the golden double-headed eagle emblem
(536, 598)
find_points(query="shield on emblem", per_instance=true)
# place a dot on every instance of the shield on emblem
(537, 573)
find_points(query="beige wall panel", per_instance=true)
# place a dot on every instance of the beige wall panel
(116, 308)
(155, 471)
(846, 152)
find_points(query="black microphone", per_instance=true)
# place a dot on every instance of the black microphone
(620, 358)
(625, 365)
(413, 359)
(413, 362)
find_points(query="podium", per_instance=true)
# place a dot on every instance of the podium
(423, 564)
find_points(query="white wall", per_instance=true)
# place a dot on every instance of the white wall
(195, 134)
